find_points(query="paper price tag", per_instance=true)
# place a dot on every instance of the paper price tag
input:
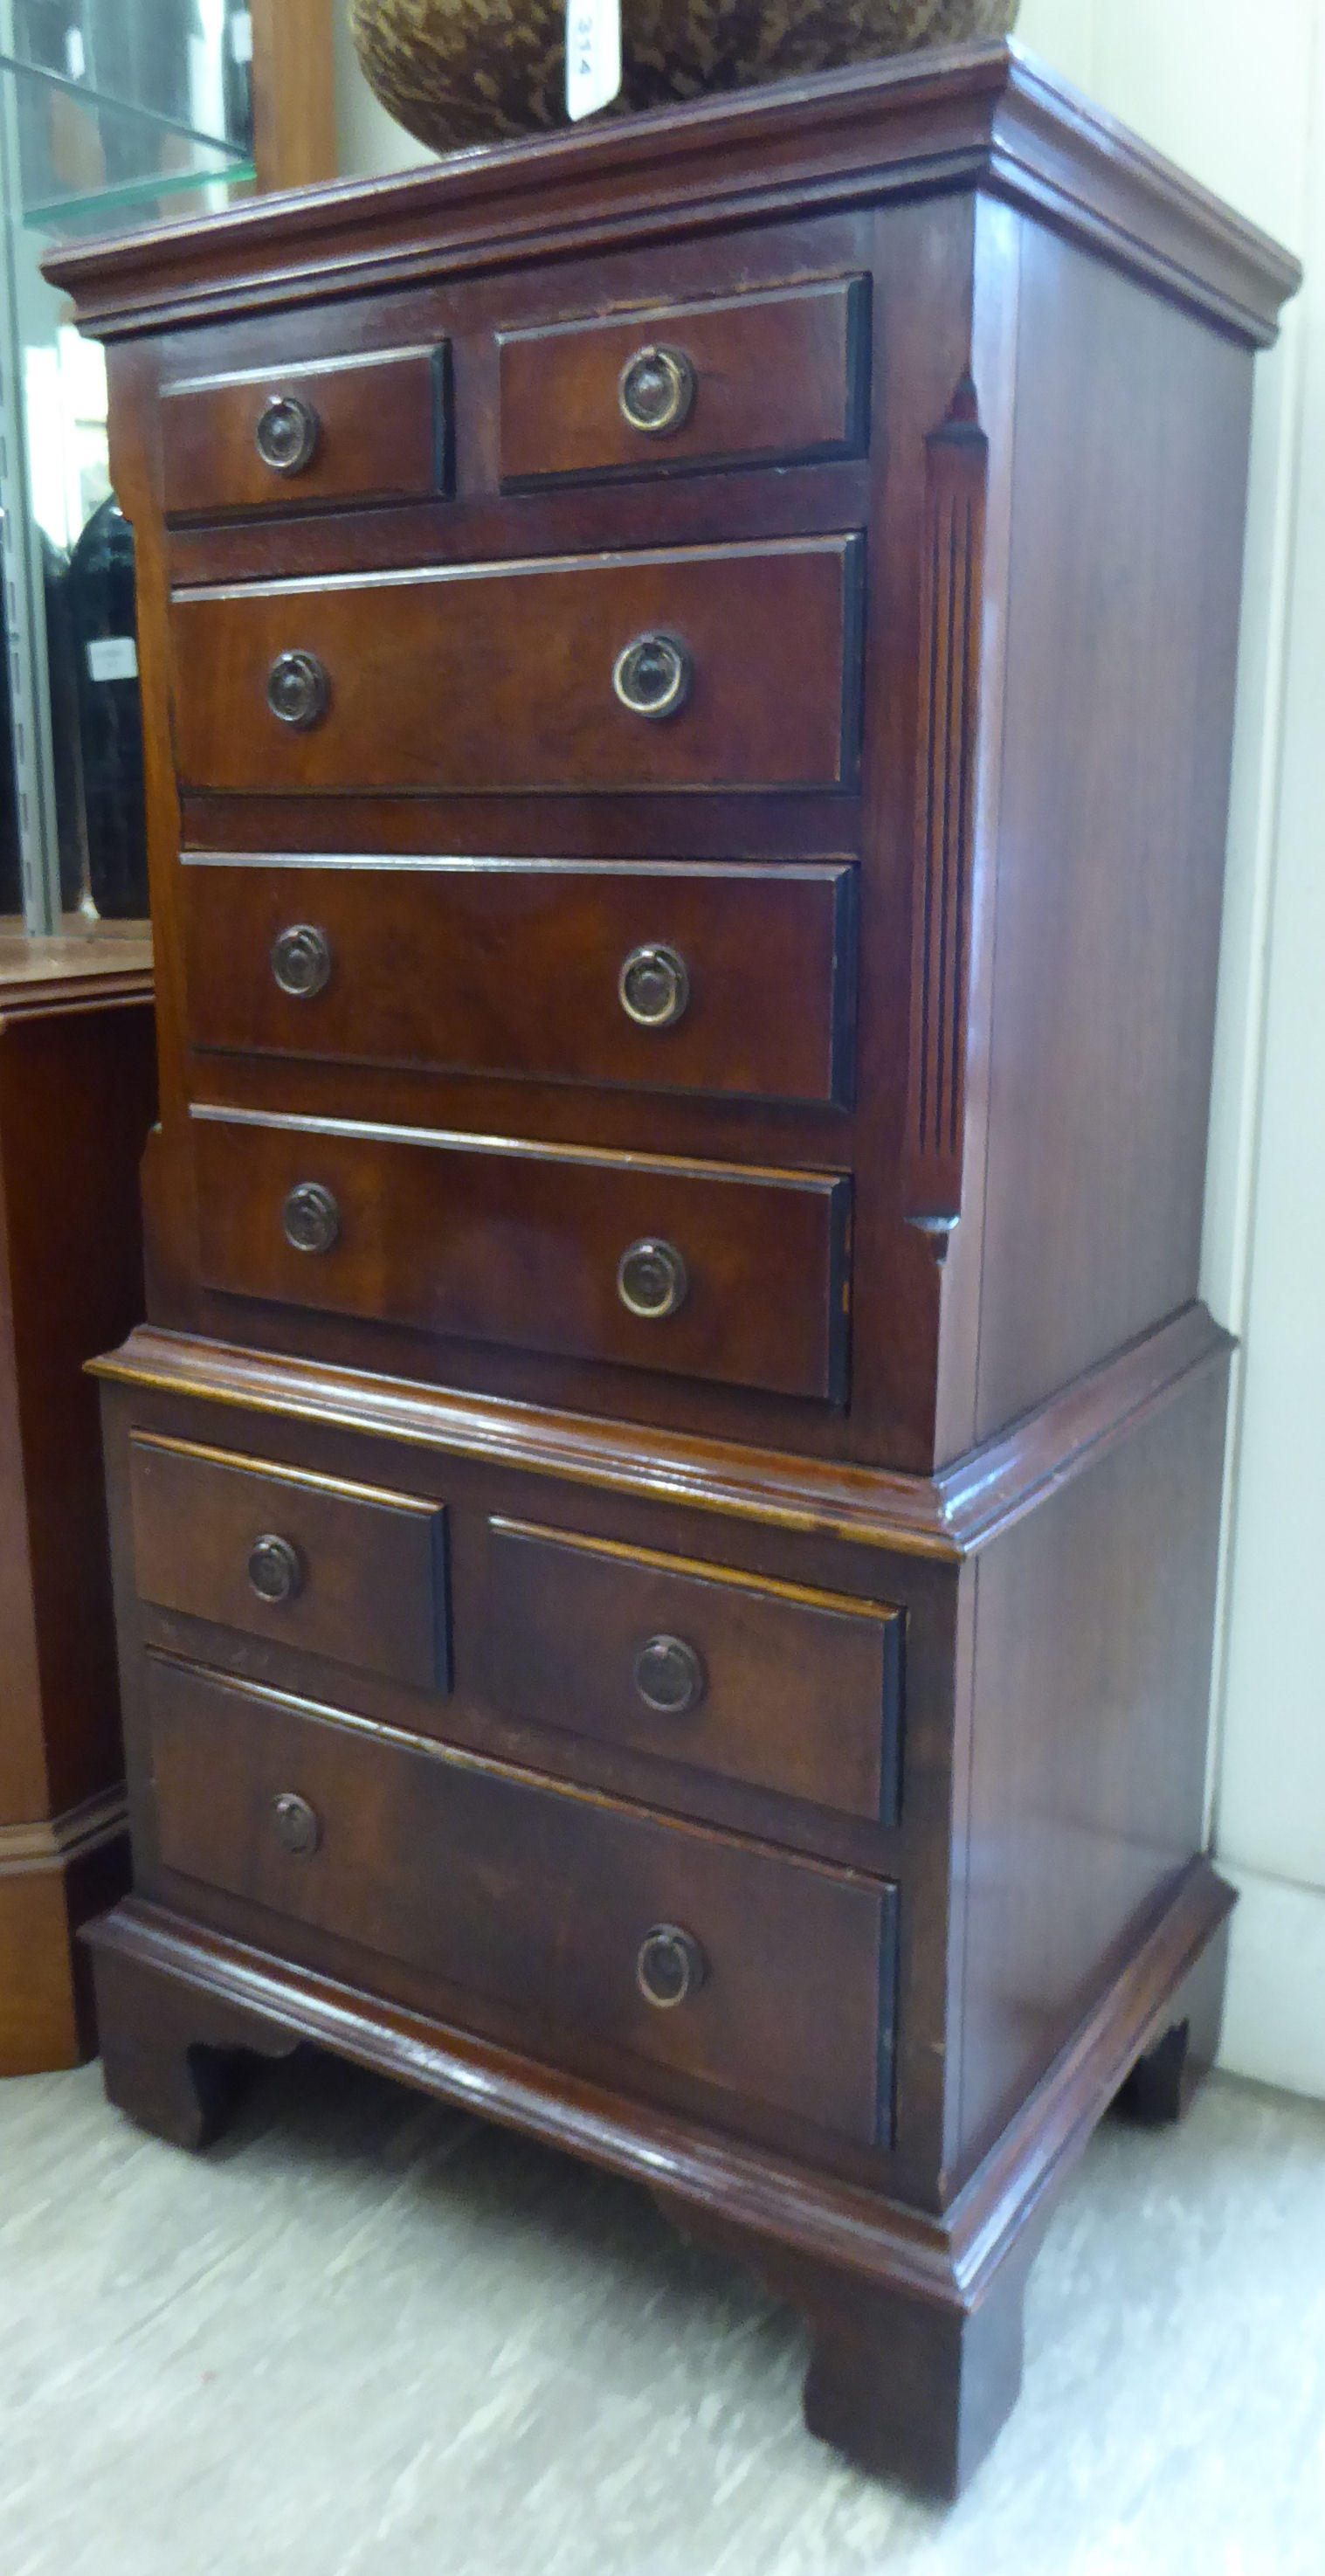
(593, 55)
(112, 657)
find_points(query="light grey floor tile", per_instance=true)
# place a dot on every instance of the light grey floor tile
(366, 2334)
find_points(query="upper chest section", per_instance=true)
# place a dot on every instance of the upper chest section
(705, 386)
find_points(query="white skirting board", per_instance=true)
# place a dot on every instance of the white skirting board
(1274, 2014)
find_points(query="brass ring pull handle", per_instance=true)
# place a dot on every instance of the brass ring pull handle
(296, 1825)
(669, 1676)
(652, 676)
(301, 960)
(310, 1218)
(656, 391)
(287, 434)
(651, 1280)
(298, 690)
(669, 1965)
(275, 1569)
(653, 987)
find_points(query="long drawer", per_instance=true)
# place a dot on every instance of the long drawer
(707, 1271)
(721, 979)
(791, 1690)
(343, 1570)
(723, 666)
(769, 1978)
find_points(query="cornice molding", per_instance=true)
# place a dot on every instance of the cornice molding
(983, 116)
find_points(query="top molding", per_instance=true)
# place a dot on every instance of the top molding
(979, 116)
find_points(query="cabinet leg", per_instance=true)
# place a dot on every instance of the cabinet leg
(1161, 2084)
(911, 2387)
(173, 2060)
(915, 2389)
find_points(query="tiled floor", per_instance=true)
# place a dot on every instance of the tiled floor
(367, 2335)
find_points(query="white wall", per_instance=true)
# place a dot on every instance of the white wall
(369, 140)
(1237, 96)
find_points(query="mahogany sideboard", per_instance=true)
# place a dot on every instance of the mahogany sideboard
(665, 1512)
(77, 1091)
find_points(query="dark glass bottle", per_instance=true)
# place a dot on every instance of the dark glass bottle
(101, 616)
(11, 870)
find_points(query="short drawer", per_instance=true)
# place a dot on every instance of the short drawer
(345, 1571)
(371, 427)
(788, 1689)
(734, 979)
(705, 1271)
(700, 667)
(761, 377)
(770, 1978)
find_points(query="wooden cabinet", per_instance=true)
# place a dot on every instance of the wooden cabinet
(666, 1510)
(77, 1078)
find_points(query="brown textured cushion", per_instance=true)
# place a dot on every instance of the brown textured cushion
(466, 71)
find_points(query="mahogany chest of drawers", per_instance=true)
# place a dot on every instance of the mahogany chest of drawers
(666, 1509)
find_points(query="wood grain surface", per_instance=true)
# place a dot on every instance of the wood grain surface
(497, 1239)
(482, 679)
(783, 375)
(515, 968)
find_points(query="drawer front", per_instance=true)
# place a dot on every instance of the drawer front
(339, 1570)
(711, 979)
(286, 438)
(506, 675)
(524, 1244)
(771, 377)
(790, 1690)
(536, 1898)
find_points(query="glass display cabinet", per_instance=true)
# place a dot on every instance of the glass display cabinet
(117, 102)
(112, 113)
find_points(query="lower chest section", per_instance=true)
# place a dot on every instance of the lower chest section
(621, 1787)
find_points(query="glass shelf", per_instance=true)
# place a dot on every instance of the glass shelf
(144, 200)
(123, 107)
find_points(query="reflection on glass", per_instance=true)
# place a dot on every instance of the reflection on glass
(121, 103)
(87, 566)
(86, 551)
(111, 111)
(62, 666)
(69, 478)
